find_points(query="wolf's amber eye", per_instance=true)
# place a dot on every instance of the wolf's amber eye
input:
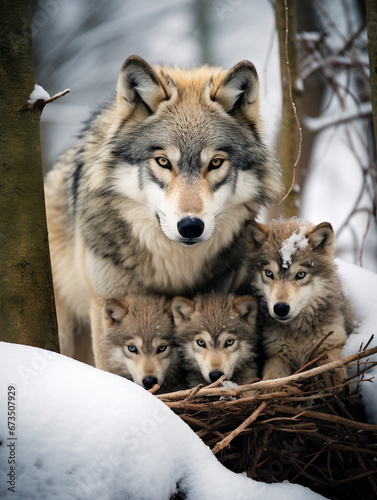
(269, 273)
(201, 343)
(229, 342)
(162, 348)
(300, 275)
(163, 162)
(132, 348)
(215, 163)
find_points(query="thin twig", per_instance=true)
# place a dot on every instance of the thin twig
(315, 350)
(293, 105)
(226, 441)
(57, 96)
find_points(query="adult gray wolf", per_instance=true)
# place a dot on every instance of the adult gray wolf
(138, 341)
(294, 277)
(154, 195)
(216, 336)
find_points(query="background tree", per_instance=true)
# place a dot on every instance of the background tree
(289, 137)
(27, 311)
(371, 11)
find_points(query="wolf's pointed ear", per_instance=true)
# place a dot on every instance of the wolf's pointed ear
(115, 310)
(240, 90)
(246, 308)
(182, 309)
(322, 238)
(139, 84)
(256, 234)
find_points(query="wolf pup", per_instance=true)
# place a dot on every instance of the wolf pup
(154, 195)
(215, 334)
(138, 341)
(294, 277)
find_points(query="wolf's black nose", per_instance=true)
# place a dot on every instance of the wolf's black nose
(281, 309)
(215, 375)
(149, 382)
(190, 227)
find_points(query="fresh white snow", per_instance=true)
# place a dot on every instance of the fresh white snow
(82, 433)
(297, 241)
(39, 93)
(361, 288)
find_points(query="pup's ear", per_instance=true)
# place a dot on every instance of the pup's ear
(182, 309)
(322, 238)
(246, 307)
(240, 90)
(167, 307)
(139, 84)
(256, 234)
(115, 310)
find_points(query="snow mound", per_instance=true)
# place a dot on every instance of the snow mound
(360, 286)
(82, 433)
(38, 94)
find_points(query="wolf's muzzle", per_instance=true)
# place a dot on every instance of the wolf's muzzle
(190, 228)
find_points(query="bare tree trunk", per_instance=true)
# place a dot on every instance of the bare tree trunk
(289, 132)
(314, 88)
(371, 11)
(27, 311)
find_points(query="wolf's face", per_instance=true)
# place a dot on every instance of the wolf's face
(139, 339)
(291, 266)
(215, 333)
(189, 146)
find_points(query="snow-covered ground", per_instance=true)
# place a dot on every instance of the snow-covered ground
(80, 433)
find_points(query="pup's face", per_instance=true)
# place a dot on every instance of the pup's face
(215, 333)
(291, 266)
(192, 150)
(216, 357)
(139, 340)
(288, 293)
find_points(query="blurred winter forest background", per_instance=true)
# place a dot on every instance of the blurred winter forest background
(82, 44)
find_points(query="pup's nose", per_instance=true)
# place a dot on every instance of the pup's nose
(215, 375)
(149, 382)
(190, 227)
(281, 309)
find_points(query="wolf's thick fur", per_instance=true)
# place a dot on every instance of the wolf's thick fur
(138, 341)
(153, 196)
(294, 277)
(216, 336)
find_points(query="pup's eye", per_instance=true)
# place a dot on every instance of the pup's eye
(229, 342)
(162, 348)
(215, 163)
(300, 275)
(163, 162)
(132, 348)
(269, 273)
(201, 343)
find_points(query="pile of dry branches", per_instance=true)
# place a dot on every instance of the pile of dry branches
(295, 428)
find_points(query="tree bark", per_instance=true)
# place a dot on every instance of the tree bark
(371, 14)
(289, 131)
(27, 311)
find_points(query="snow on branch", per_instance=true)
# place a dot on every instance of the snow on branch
(39, 97)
